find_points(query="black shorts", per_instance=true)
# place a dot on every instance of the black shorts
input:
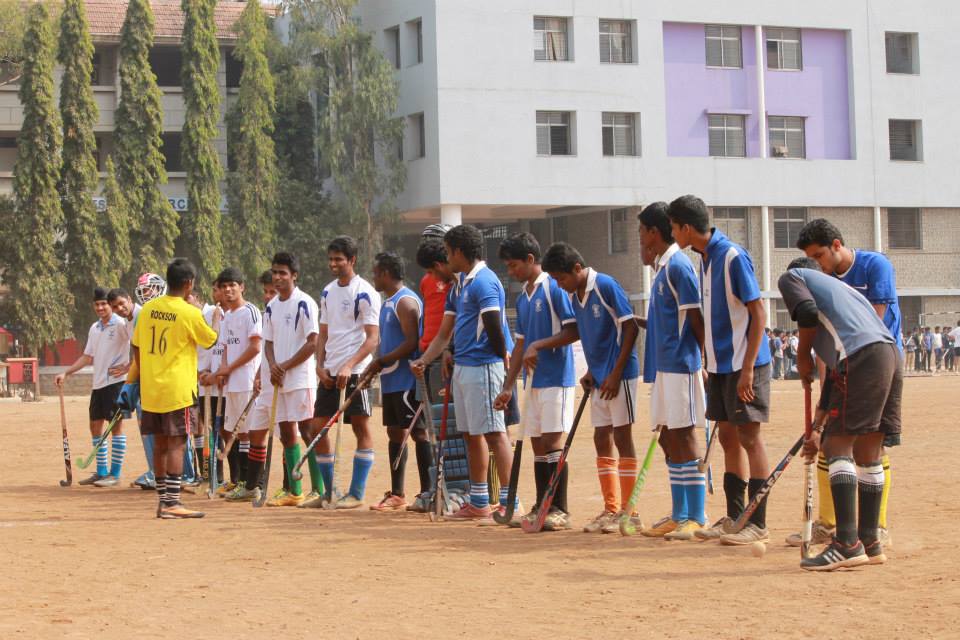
(723, 404)
(399, 408)
(215, 402)
(171, 423)
(328, 401)
(103, 401)
(866, 393)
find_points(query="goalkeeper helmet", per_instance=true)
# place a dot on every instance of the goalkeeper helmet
(149, 286)
(436, 230)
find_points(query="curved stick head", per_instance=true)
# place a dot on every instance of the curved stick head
(627, 526)
(65, 483)
(501, 517)
(530, 526)
(83, 464)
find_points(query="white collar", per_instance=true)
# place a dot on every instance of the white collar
(591, 283)
(536, 283)
(473, 272)
(853, 261)
(665, 258)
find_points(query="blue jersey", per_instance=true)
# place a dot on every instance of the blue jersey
(650, 347)
(726, 274)
(872, 274)
(847, 321)
(397, 376)
(540, 315)
(600, 317)
(475, 293)
(675, 292)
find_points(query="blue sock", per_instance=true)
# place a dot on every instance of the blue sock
(102, 469)
(118, 450)
(479, 495)
(362, 463)
(677, 493)
(325, 462)
(695, 491)
(504, 491)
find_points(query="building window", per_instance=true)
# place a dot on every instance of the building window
(619, 134)
(783, 49)
(727, 138)
(95, 70)
(615, 41)
(417, 138)
(902, 52)
(911, 310)
(781, 317)
(905, 140)
(723, 46)
(903, 228)
(8, 151)
(392, 36)
(413, 42)
(786, 137)
(553, 133)
(171, 151)
(559, 229)
(166, 63)
(234, 70)
(619, 231)
(550, 39)
(733, 223)
(419, 29)
(787, 223)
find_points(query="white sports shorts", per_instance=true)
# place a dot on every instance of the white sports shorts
(677, 400)
(548, 410)
(236, 403)
(292, 406)
(617, 412)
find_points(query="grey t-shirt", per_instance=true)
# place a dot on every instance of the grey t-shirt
(848, 322)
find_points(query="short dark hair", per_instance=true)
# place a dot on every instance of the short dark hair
(391, 263)
(430, 252)
(117, 292)
(691, 210)
(287, 260)
(230, 274)
(180, 271)
(561, 258)
(654, 216)
(467, 239)
(345, 245)
(804, 263)
(820, 231)
(517, 246)
(99, 293)
(266, 277)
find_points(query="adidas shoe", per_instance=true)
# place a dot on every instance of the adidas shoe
(714, 531)
(822, 534)
(316, 502)
(835, 556)
(226, 488)
(875, 554)
(598, 524)
(240, 493)
(469, 512)
(390, 502)
(660, 528)
(108, 481)
(556, 520)
(94, 478)
(421, 504)
(286, 500)
(686, 530)
(748, 535)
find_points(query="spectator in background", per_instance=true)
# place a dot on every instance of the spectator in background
(910, 346)
(948, 347)
(792, 344)
(937, 342)
(927, 349)
(777, 352)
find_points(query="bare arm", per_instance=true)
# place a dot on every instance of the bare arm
(437, 345)
(695, 316)
(370, 343)
(611, 386)
(494, 331)
(83, 361)
(251, 352)
(758, 319)
(409, 317)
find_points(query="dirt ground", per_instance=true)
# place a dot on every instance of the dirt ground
(82, 562)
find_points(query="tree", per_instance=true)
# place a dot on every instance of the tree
(12, 29)
(38, 286)
(253, 185)
(86, 252)
(140, 163)
(200, 229)
(112, 223)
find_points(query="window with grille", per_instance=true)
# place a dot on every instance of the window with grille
(615, 41)
(95, 70)
(392, 36)
(559, 229)
(416, 138)
(903, 228)
(553, 133)
(786, 137)
(787, 223)
(418, 27)
(171, 151)
(550, 39)
(166, 62)
(619, 230)
(727, 138)
(783, 49)
(619, 134)
(781, 318)
(723, 46)
(905, 140)
(734, 224)
(902, 52)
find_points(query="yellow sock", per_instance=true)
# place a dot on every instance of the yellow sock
(827, 516)
(887, 480)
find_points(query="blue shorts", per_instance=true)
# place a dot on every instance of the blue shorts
(474, 390)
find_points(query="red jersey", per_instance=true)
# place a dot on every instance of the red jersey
(434, 293)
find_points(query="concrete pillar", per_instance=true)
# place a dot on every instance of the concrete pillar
(451, 214)
(647, 280)
(761, 91)
(765, 257)
(877, 230)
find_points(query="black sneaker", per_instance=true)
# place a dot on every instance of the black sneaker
(93, 478)
(835, 556)
(875, 553)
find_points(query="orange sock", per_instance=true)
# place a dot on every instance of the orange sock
(628, 477)
(607, 471)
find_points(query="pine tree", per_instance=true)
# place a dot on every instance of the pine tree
(253, 185)
(140, 163)
(112, 223)
(200, 229)
(86, 252)
(38, 286)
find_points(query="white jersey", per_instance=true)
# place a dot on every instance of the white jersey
(287, 324)
(346, 309)
(239, 327)
(210, 359)
(109, 346)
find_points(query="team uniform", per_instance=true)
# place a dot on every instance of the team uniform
(108, 344)
(434, 293)
(238, 328)
(287, 324)
(208, 361)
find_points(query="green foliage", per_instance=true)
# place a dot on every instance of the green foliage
(112, 224)
(200, 237)
(38, 286)
(140, 167)
(12, 29)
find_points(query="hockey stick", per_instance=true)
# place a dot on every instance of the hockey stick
(295, 473)
(507, 515)
(765, 488)
(214, 482)
(264, 480)
(406, 435)
(83, 463)
(228, 442)
(806, 530)
(440, 491)
(705, 460)
(66, 442)
(627, 527)
(537, 525)
(204, 470)
(334, 493)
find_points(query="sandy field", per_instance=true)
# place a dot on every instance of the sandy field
(82, 562)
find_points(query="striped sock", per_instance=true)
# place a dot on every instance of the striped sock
(541, 469)
(870, 488)
(362, 463)
(694, 486)
(325, 464)
(628, 470)
(560, 496)
(256, 458)
(505, 496)
(102, 469)
(843, 484)
(172, 497)
(678, 496)
(607, 472)
(243, 449)
(162, 490)
(117, 450)
(479, 495)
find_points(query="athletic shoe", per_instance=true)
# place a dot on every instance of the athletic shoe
(286, 500)
(686, 530)
(279, 493)
(529, 516)
(316, 502)
(835, 556)
(597, 524)
(614, 525)
(660, 528)
(240, 493)
(714, 531)
(108, 481)
(885, 540)
(875, 553)
(556, 520)
(255, 494)
(502, 510)
(146, 485)
(470, 512)
(748, 535)
(91, 480)
(313, 494)
(390, 502)
(226, 488)
(822, 534)
(421, 504)
(349, 502)
(179, 512)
